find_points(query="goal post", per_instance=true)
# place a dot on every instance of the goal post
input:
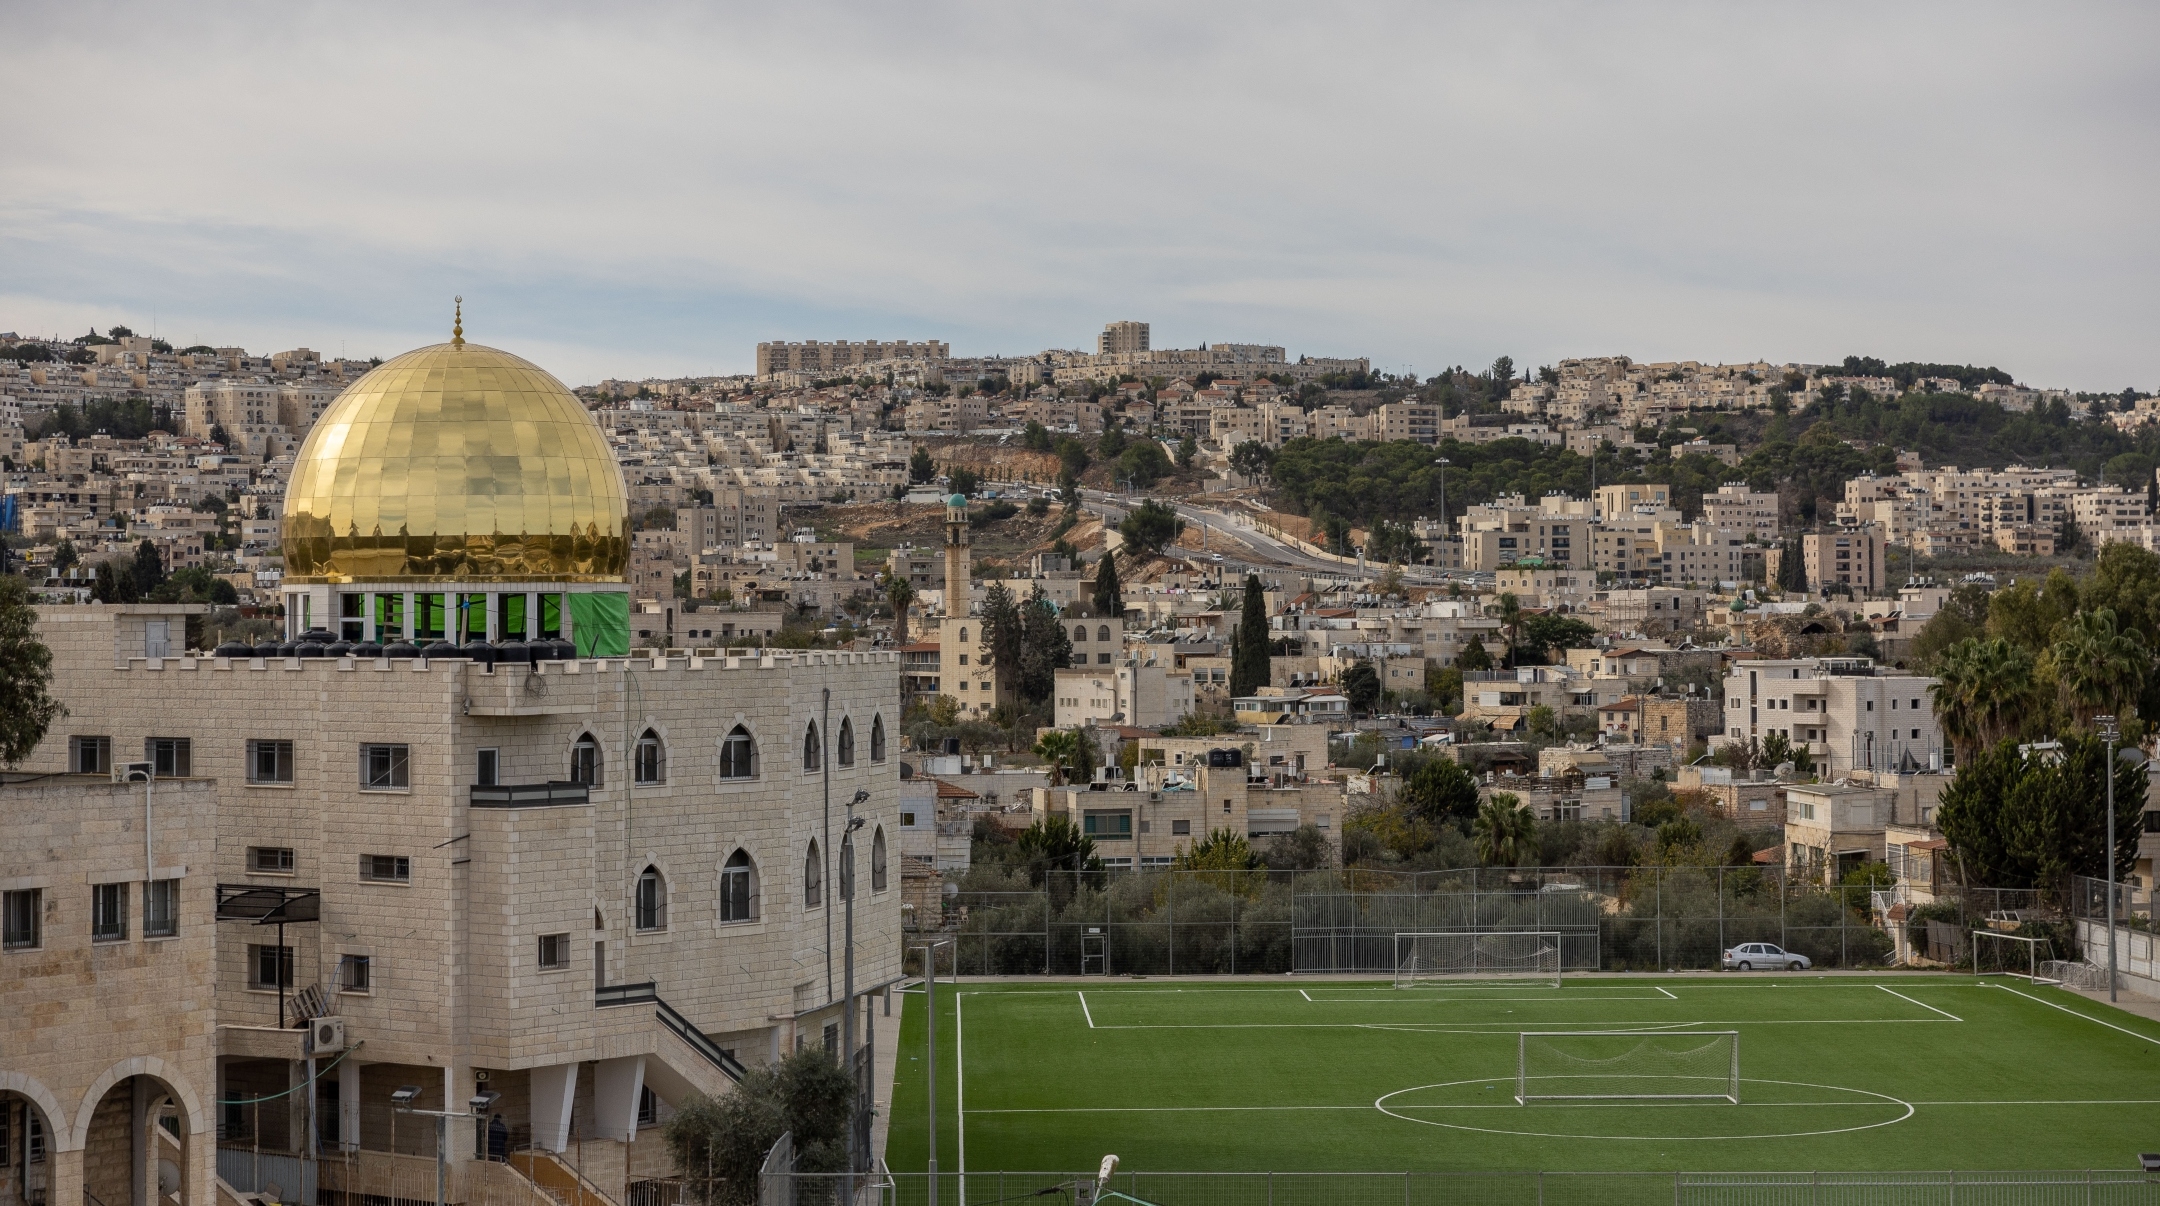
(1995, 953)
(1627, 1065)
(1474, 958)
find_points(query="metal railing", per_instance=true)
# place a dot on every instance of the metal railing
(714, 1054)
(2097, 1187)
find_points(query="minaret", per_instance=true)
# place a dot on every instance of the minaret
(956, 555)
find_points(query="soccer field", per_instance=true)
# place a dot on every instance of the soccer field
(1285, 1075)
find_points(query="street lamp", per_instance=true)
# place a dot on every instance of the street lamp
(1442, 462)
(847, 1027)
(929, 950)
(401, 1102)
(2110, 731)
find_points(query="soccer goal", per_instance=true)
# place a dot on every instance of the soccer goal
(1628, 1065)
(1478, 958)
(1995, 953)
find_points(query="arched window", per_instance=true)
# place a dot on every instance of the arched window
(651, 900)
(877, 738)
(844, 749)
(963, 636)
(1103, 633)
(650, 765)
(738, 755)
(813, 750)
(1080, 632)
(877, 860)
(585, 761)
(738, 889)
(813, 877)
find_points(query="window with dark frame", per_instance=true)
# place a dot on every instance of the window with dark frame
(813, 879)
(488, 772)
(386, 868)
(650, 764)
(844, 748)
(738, 755)
(161, 908)
(651, 900)
(738, 889)
(270, 860)
(169, 757)
(270, 761)
(21, 918)
(108, 912)
(554, 952)
(384, 768)
(270, 966)
(813, 751)
(90, 755)
(877, 860)
(585, 761)
(877, 739)
(356, 973)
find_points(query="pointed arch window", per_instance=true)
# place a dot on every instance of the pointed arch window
(813, 878)
(877, 738)
(738, 755)
(877, 860)
(585, 760)
(813, 751)
(738, 889)
(650, 764)
(844, 748)
(651, 900)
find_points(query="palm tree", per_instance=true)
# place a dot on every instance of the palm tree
(1981, 690)
(900, 593)
(1505, 830)
(1058, 747)
(2101, 667)
(1510, 614)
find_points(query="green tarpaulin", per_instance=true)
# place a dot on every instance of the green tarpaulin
(600, 623)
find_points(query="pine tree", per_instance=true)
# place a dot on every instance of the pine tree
(1109, 598)
(26, 710)
(1249, 658)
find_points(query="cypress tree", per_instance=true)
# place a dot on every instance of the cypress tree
(1109, 599)
(1249, 655)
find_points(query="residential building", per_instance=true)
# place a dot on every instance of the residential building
(1847, 713)
(1124, 336)
(817, 358)
(1849, 558)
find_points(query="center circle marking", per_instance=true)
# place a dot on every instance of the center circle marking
(1380, 1104)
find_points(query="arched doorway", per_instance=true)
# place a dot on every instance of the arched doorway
(28, 1143)
(139, 1147)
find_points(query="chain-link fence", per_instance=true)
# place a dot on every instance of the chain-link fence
(1165, 922)
(2086, 1188)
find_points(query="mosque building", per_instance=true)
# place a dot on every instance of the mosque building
(447, 846)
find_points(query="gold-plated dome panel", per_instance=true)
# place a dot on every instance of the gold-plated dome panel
(456, 461)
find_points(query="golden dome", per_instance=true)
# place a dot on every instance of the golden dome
(459, 462)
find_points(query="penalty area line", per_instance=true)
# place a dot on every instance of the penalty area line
(2076, 1014)
(1922, 1004)
(1085, 1011)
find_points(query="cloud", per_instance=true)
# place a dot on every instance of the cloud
(654, 188)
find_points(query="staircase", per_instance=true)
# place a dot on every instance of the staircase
(557, 1180)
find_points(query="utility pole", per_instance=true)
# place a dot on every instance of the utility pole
(847, 896)
(929, 950)
(2110, 731)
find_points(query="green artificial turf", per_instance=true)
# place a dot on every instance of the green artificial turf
(1838, 1073)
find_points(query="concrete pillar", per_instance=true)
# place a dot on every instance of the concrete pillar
(64, 1183)
(349, 1105)
(142, 1155)
(617, 1085)
(554, 1088)
(296, 1104)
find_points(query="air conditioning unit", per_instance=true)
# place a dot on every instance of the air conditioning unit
(326, 1034)
(132, 772)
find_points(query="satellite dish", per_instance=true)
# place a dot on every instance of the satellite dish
(168, 1178)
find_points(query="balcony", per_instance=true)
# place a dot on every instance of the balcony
(530, 795)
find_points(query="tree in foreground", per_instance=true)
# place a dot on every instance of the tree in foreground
(1059, 748)
(1150, 527)
(1249, 657)
(1505, 832)
(719, 1143)
(1055, 843)
(1109, 599)
(27, 708)
(1361, 685)
(1441, 791)
(921, 468)
(900, 593)
(2019, 820)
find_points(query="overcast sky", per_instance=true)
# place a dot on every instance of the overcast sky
(648, 190)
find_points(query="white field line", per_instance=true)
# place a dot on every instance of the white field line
(960, 1087)
(1403, 1000)
(1512, 1105)
(1511, 1027)
(1667, 991)
(1301, 992)
(1085, 1012)
(1922, 1004)
(2074, 1013)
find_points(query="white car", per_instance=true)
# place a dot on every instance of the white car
(1750, 955)
(1215, 556)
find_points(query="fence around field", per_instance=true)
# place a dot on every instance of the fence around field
(2077, 1188)
(1164, 922)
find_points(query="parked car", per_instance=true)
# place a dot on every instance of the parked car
(1750, 955)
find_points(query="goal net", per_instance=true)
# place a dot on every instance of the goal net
(1478, 957)
(1628, 1065)
(1995, 953)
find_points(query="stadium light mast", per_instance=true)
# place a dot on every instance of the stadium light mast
(929, 950)
(2110, 730)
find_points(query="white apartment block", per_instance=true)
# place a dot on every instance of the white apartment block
(1737, 507)
(1848, 713)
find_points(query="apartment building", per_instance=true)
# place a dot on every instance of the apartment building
(1852, 559)
(1509, 529)
(1848, 713)
(1123, 336)
(818, 358)
(1739, 508)
(1609, 503)
(1137, 690)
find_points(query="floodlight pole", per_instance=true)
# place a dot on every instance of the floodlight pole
(929, 950)
(2110, 731)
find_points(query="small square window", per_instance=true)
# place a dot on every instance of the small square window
(355, 973)
(383, 768)
(270, 761)
(271, 860)
(108, 913)
(170, 757)
(1180, 828)
(161, 908)
(554, 952)
(21, 918)
(386, 868)
(90, 755)
(488, 772)
(270, 967)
